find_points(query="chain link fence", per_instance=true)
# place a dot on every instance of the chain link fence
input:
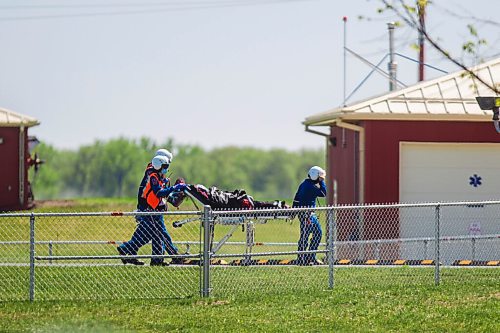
(56, 256)
(52, 256)
(257, 251)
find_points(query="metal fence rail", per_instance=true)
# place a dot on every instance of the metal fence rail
(62, 256)
(48, 256)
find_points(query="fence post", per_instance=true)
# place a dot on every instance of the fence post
(436, 248)
(330, 246)
(207, 220)
(473, 240)
(426, 245)
(362, 248)
(32, 258)
(50, 251)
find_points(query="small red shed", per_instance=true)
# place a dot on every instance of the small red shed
(15, 189)
(429, 142)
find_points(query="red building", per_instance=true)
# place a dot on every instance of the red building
(429, 142)
(15, 160)
(371, 143)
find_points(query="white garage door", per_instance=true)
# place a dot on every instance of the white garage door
(445, 172)
(433, 172)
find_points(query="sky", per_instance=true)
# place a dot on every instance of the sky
(209, 72)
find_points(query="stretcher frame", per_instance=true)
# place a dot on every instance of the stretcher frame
(246, 221)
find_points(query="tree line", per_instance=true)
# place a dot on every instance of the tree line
(114, 168)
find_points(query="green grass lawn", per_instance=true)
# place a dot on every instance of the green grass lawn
(363, 300)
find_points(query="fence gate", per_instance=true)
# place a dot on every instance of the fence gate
(257, 251)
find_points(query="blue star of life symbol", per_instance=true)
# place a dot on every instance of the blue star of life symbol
(475, 180)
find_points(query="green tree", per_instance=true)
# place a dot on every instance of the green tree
(114, 168)
(49, 181)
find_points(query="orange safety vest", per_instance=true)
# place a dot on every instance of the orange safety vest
(148, 194)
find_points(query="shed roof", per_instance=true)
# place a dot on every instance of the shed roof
(12, 119)
(450, 97)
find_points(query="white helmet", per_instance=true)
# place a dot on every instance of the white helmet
(160, 162)
(166, 153)
(315, 172)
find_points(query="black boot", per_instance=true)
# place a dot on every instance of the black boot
(316, 262)
(301, 260)
(128, 261)
(120, 252)
(135, 262)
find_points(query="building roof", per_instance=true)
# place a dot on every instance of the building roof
(450, 97)
(12, 119)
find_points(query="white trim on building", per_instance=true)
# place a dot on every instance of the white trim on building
(12, 119)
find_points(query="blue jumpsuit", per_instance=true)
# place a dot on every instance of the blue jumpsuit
(306, 196)
(151, 228)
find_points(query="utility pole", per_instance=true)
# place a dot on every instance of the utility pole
(392, 65)
(345, 65)
(421, 40)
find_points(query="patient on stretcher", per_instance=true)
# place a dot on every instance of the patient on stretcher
(220, 199)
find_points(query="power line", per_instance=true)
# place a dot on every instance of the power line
(154, 8)
(130, 4)
(468, 17)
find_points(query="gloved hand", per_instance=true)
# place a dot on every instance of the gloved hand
(180, 187)
(166, 182)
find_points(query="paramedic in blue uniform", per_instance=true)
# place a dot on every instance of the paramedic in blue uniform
(311, 188)
(153, 191)
(167, 240)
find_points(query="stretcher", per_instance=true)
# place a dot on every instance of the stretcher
(229, 210)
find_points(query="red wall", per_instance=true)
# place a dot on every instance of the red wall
(382, 149)
(9, 169)
(382, 140)
(342, 156)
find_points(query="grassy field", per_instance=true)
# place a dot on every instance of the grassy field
(244, 299)
(363, 300)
